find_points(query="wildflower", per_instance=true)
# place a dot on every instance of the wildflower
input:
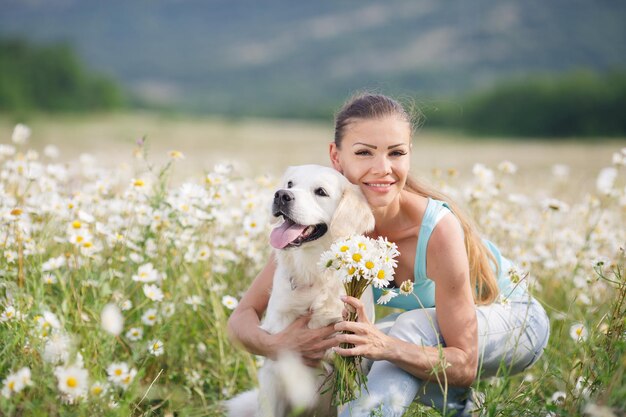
(147, 273)
(57, 348)
(49, 279)
(51, 151)
(578, 332)
(176, 155)
(98, 389)
(229, 302)
(386, 296)
(134, 334)
(606, 180)
(120, 374)
(155, 347)
(112, 320)
(168, 309)
(126, 305)
(507, 167)
(116, 371)
(21, 133)
(9, 313)
(16, 382)
(153, 292)
(558, 398)
(149, 318)
(73, 381)
(194, 301)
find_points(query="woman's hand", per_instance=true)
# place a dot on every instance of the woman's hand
(368, 341)
(310, 344)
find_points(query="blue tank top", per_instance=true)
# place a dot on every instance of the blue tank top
(424, 288)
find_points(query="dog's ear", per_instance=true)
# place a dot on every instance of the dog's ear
(353, 215)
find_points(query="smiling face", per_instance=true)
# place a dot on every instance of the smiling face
(375, 155)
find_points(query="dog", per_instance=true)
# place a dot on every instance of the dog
(317, 205)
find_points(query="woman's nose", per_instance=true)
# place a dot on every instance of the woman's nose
(382, 165)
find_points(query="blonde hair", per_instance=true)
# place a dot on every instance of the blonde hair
(375, 106)
(482, 277)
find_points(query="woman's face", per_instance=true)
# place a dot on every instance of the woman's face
(375, 155)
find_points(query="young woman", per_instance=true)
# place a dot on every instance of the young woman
(465, 318)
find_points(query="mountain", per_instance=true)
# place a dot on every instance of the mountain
(281, 57)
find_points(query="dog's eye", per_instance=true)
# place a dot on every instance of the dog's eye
(289, 184)
(321, 192)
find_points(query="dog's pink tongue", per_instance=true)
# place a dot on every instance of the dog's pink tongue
(286, 233)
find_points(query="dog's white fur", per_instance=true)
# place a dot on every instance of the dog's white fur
(299, 286)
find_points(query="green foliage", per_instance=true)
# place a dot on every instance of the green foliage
(50, 78)
(578, 104)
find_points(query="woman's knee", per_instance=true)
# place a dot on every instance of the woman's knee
(418, 327)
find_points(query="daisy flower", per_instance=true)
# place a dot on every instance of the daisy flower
(98, 389)
(116, 371)
(147, 273)
(230, 302)
(155, 347)
(386, 296)
(578, 332)
(134, 334)
(149, 318)
(153, 292)
(73, 381)
(16, 382)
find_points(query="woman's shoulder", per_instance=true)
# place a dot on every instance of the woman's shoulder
(446, 246)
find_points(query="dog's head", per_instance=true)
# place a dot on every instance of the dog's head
(314, 202)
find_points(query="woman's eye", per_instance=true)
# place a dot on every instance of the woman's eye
(289, 184)
(397, 153)
(363, 152)
(321, 192)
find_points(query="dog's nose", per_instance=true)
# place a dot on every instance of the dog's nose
(283, 196)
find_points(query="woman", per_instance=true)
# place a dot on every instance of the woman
(452, 322)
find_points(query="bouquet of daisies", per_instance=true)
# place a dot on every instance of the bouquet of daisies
(358, 261)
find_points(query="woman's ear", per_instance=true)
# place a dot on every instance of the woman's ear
(334, 156)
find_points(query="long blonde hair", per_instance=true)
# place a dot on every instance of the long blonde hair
(482, 276)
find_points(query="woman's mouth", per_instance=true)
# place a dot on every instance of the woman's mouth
(380, 187)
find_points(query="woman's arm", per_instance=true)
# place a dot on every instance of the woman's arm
(456, 316)
(243, 325)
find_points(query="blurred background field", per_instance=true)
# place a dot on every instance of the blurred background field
(268, 146)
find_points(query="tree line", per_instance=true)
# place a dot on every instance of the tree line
(50, 78)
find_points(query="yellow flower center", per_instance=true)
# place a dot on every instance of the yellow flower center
(118, 372)
(380, 274)
(79, 239)
(362, 246)
(352, 270)
(369, 264)
(11, 385)
(87, 244)
(76, 224)
(344, 248)
(357, 257)
(16, 212)
(96, 390)
(579, 331)
(71, 382)
(138, 183)
(155, 346)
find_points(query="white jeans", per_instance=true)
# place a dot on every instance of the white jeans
(511, 337)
